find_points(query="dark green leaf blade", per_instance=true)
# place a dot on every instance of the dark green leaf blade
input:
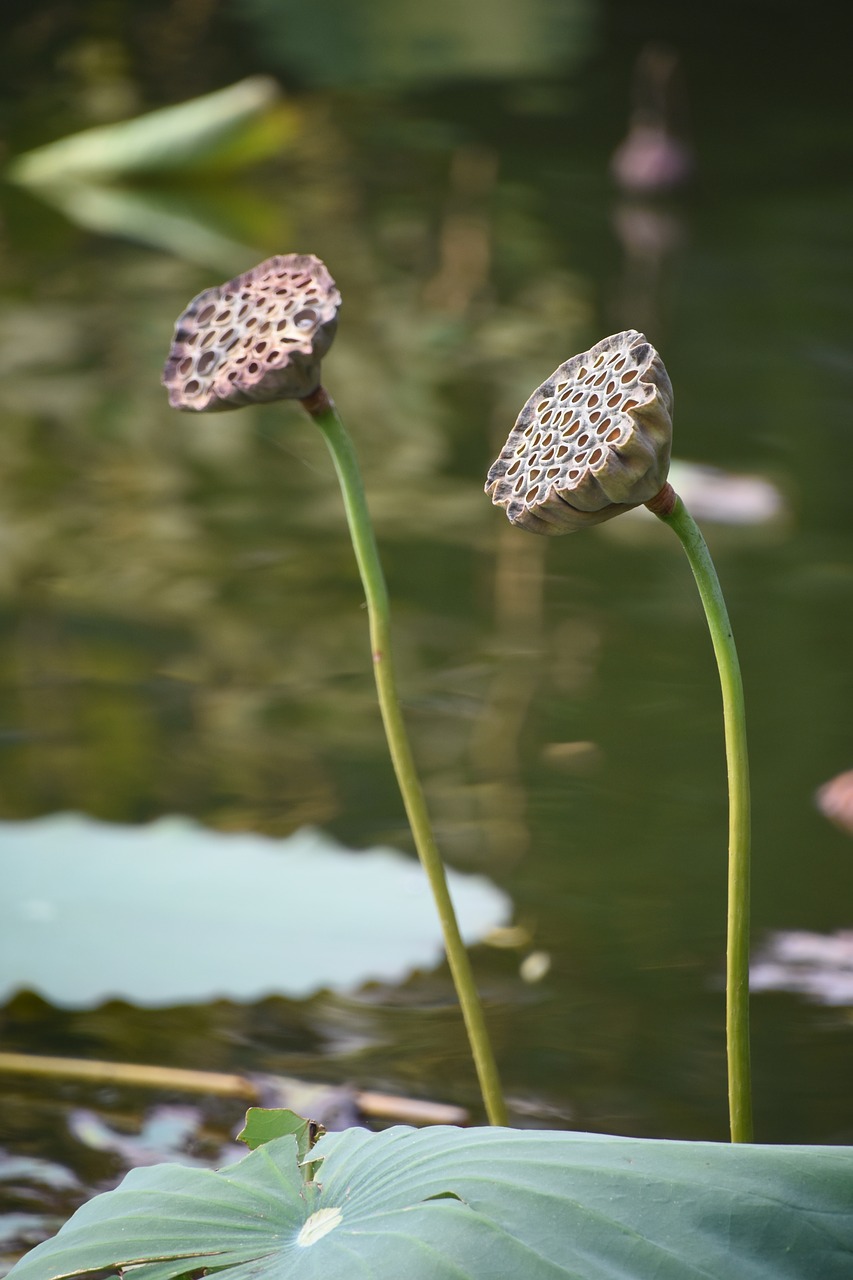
(202, 1217)
(509, 1204)
(263, 1124)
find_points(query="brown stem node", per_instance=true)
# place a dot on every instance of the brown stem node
(663, 503)
(319, 401)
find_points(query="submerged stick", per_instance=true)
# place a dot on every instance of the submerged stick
(140, 1075)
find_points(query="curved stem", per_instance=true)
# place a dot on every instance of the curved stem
(322, 410)
(676, 515)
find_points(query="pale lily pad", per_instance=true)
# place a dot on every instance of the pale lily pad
(714, 496)
(726, 497)
(172, 913)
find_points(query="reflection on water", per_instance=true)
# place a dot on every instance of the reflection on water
(182, 627)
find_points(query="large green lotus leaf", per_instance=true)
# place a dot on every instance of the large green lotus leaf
(223, 130)
(172, 913)
(480, 1204)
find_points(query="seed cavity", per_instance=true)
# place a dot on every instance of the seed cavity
(572, 427)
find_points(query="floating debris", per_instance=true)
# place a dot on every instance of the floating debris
(166, 1133)
(573, 757)
(835, 801)
(38, 1196)
(816, 965)
(535, 966)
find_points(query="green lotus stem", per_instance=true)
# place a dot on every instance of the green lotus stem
(322, 410)
(675, 514)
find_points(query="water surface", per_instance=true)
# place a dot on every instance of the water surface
(182, 625)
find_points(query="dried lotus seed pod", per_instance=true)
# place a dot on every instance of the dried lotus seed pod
(258, 338)
(593, 441)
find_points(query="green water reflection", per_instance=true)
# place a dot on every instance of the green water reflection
(183, 631)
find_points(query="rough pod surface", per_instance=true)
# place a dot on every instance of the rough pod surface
(260, 337)
(593, 441)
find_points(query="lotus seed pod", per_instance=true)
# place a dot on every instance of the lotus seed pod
(258, 338)
(593, 441)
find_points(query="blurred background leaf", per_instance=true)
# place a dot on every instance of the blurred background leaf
(220, 131)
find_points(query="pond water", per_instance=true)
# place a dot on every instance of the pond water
(183, 631)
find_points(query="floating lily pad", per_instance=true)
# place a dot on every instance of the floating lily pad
(172, 913)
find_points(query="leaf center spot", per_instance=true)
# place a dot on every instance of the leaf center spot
(319, 1225)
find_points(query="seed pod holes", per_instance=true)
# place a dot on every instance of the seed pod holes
(258, 338)
(604, 418)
